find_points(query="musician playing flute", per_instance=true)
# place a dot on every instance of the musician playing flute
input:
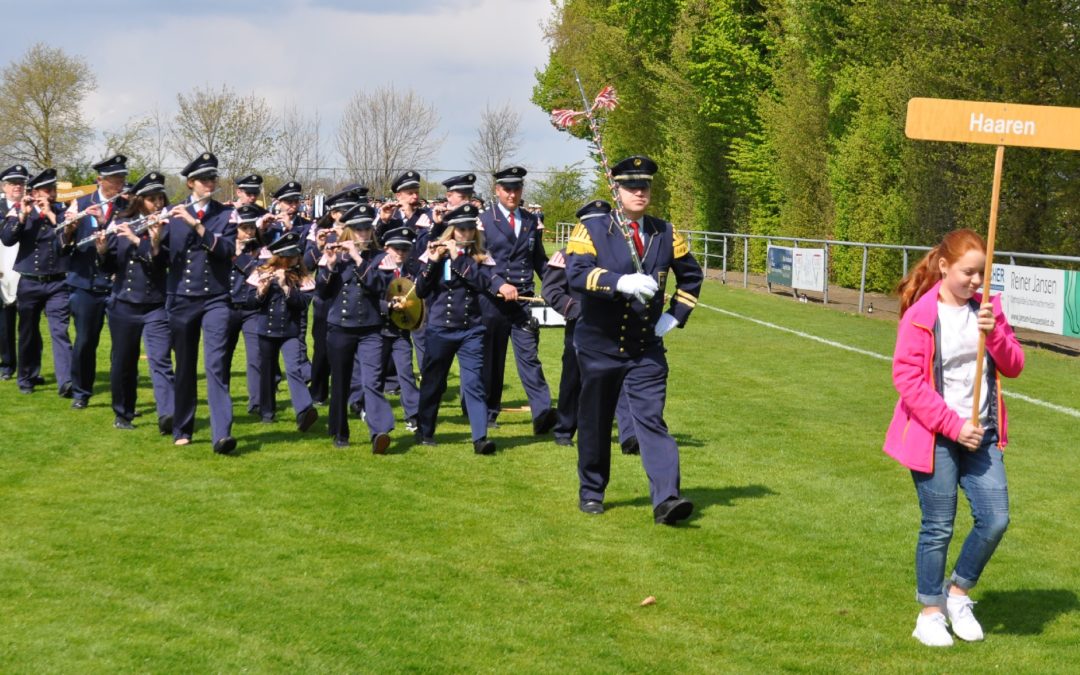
(619, 335)
(32, 226)
(137, 306)
(244, 320)
(13, 180)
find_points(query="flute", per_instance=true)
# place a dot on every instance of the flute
(75, 217)
(138, 226)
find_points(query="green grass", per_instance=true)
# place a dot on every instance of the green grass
(121, 552)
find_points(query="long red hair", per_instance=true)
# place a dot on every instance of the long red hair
(926, 272)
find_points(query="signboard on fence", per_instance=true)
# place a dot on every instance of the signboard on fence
(779, 266)
(1041, 299)
(808, 269)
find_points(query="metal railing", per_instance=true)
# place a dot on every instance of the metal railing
(714, 249)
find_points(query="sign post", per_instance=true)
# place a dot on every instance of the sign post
(1000, 124)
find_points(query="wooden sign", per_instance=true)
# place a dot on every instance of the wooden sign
(1033, 126)
(65, 192)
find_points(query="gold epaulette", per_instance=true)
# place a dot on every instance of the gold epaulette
(580, 242)
(679, 244)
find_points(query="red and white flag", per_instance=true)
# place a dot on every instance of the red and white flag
(606, 99)
(564, 118)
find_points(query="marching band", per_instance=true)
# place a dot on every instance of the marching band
(376, 282)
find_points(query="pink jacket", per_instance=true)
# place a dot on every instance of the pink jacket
(921, 412)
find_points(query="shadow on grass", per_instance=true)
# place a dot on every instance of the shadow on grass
(704, 498)
(1024, 612)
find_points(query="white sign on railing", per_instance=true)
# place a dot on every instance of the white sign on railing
(1042, 299)
(808, 269)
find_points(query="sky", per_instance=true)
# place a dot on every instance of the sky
(460, 55)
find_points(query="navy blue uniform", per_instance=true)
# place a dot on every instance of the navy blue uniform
(198, 299)
(9, 312)
(243, 320)
(89, 288)
(279, 323)
(303, 227)
(517, 259)
(455, 325)
(319, 377)
(42, 270)
(353, 337)
(137, 310)
(397, 343)
(618, 349)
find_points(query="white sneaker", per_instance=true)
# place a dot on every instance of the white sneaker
(963, 621)
(931, 630)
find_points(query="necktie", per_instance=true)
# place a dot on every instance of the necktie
(108, 211)
(397, 273)
(638, 244)
(513, 224)
(199, 214)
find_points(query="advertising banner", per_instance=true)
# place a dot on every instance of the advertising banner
(1041, 299)
(779, 266)
(808, 269)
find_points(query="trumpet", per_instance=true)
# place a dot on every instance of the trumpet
(138, 226)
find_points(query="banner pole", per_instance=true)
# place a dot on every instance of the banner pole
(991, 235)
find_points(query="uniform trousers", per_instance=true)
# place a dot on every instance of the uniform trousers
(442, 345)
(305, 363)
(9, 322)
(128, 322)
(187, 316)
(501, 330)
(644, 380)
(246, 322)
(346, 347)
(397, 349)
(419, 342)
(320, 364)
(88, 315)
(570, 394)
(292, 349)
(36, 297)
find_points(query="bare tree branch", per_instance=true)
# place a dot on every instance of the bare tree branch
(497, 141)
(240, 130)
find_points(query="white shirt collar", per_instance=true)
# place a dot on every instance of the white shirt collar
(506, 212)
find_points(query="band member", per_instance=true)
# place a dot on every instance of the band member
(516, 244)
(556, 291)
(137, 305)
(619, 336)
(88, 286)
(404, 208)
(350, 283)
(201, 241)
(326, 229)
(33, 227)
(286, 218)
(280, 290)
(13, 179)
(455, 271)
(398, 263)
(244, 320)
(247, 190)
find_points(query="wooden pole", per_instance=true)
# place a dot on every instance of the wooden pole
(991, 234)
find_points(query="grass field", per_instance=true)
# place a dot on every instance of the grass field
(123, 553)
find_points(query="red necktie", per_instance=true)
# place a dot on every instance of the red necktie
(513, 225)
(108, 211)
(397, 273)
(199, 214)
(638, 244)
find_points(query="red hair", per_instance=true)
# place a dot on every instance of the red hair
(926, 272)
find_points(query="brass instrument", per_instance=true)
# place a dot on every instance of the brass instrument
(410, 311)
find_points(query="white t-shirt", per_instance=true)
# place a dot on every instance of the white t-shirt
(959, 347)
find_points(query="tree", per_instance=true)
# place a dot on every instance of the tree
(497, 141)
(385, 133)
(560, 193)
(296, 150)
(41, 116)
(240, 130)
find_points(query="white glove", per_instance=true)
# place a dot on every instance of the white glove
(664, 324)
(641, 286)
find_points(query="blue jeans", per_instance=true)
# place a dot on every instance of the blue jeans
(982, 476)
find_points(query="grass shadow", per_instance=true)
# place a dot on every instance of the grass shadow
(704, 498)
(1024, 612)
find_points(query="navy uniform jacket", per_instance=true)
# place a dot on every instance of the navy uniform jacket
(39, 243)
(200, 266)
(280, 315)
(84, 270)
(516, 258)
(420, 221)
(138, 276)
(353, 292)
(243, 265)
(410, 269)
(299, 223)
(598, 255)
(556, 288)
(453, 304)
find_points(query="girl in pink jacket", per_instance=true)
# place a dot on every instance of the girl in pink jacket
(931, 432)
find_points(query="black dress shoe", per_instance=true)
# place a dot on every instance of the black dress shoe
(5, 376)
(672, 510)
(121, 423)
(593, 507)
(306, 418)
(318, 401)
(379, 444)
(37, 381)
(267, 419)
(225, 445)
(65, 390)
(545, 422)
(564, 441)
(482, 446)
(26, 390)
(492, 424)
(164, 425)
(341, 442)
(79, 404)
(136, 414)
(426, 440)
(630, 446)
(356, 408)
(253, 410)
